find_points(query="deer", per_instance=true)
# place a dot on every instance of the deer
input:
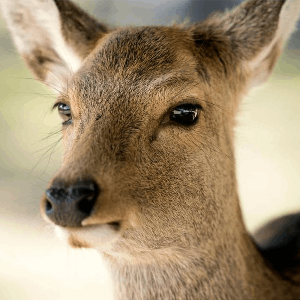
(148, 172)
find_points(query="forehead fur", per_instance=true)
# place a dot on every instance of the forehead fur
(139, 56)
(144, 51)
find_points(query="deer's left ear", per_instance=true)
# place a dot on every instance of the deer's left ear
(53, 36)
(254, 34)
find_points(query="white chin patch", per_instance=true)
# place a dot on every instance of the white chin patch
(89, 236)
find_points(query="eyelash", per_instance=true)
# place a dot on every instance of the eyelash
(64, 111)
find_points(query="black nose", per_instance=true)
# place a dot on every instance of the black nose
(68, 206)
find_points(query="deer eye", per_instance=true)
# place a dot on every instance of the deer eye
(185, 114)
(65, 112)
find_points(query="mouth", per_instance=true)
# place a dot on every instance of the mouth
(91, 236)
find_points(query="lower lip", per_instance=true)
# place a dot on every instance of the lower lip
(95, 235)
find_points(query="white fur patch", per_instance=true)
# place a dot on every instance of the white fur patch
(37, 23)
(287, 24)
(96, 236)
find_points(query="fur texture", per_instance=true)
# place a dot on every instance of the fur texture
(170, 188)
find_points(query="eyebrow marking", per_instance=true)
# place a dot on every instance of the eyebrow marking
(170, 80)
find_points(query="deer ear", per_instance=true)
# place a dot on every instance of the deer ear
(53, 36)
(254, 34)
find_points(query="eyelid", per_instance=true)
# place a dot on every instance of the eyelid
(59, 100)
(62, 111)
(195, 101)
(55, 105)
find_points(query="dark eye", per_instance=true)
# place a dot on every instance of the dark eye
(185, 114)
(65, 112)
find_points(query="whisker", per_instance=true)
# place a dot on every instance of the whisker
(216, 150)
(51, 151)
(214, 130)
(39, 94)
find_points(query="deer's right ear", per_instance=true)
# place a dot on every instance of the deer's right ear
(53, 36)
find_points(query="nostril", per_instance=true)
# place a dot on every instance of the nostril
(86, 205)
(48, 206)
(68, 206)
(86, 194)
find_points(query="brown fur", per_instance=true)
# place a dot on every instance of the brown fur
(171, 188)
(75, 243)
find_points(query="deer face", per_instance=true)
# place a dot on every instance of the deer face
(148, 115)
(140, 144)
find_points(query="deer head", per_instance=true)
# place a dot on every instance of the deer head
(148, 174)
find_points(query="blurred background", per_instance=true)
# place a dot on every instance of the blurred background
(33, 263)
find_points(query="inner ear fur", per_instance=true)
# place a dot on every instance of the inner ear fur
(52, 36)
(252, 35)
(80, 30)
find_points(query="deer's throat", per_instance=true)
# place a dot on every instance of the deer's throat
(226, 273)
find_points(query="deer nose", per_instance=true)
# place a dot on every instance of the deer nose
(67, 207)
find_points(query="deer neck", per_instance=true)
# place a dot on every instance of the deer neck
(233, 269)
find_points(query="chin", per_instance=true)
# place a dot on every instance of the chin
(94, 236)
